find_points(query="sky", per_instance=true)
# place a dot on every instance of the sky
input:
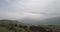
(34, 9)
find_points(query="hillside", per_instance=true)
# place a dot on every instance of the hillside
(3, 29)
(50, 21)
(6, 24)
(9, 26)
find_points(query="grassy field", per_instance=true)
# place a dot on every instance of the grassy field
(3, 29)
(51, 26)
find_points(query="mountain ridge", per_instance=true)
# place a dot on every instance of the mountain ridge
(50, 21)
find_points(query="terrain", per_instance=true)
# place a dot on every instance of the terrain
(16, 26)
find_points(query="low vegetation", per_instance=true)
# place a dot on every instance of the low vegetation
(15, 26)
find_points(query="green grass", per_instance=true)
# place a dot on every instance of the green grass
(3, 29)
(6, 22)
(51, 26)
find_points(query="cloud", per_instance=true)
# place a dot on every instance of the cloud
(36, 9)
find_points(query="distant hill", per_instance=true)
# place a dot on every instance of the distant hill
(50, 21)
(5, 27)
(4, 21)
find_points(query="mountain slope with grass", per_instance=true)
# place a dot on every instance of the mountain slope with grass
(10, 26)
(4, 26)
(3, 29)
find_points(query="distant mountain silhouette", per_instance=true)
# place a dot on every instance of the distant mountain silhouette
(50, 21)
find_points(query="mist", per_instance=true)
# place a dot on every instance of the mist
(29, 11)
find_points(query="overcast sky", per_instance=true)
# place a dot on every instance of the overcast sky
(34, 9)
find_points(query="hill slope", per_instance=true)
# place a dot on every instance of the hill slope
(3, 29)
(51, 21)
